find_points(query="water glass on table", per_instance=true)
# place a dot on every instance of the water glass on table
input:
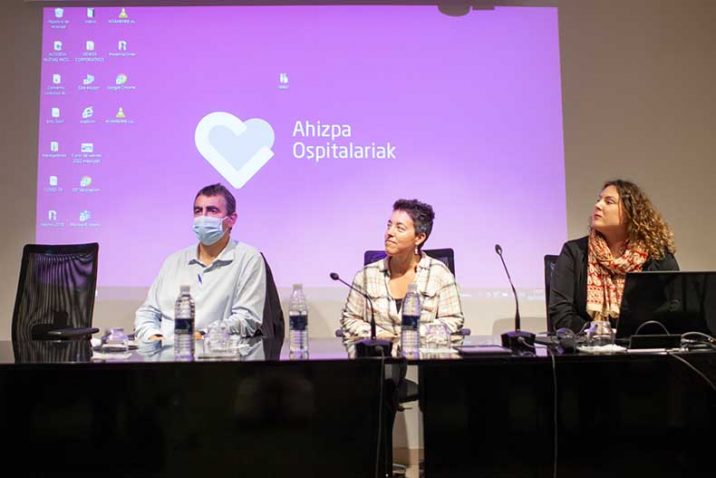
(435, 338)
(600, 333)
(115, 341)
(217, 339)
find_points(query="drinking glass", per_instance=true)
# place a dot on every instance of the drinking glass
(435, 337)
(600, 333)
(115, 340)
(217, 338)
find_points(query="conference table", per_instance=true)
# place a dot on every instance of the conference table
(647, 413)
(66, 408)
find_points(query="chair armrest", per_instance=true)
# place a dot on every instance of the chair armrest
(71, 332)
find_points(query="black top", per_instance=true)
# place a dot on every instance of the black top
(568, 287)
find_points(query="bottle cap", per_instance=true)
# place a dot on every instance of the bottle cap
(298, 286)
(184, 289)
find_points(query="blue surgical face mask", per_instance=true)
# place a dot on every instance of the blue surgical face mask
(208, 229)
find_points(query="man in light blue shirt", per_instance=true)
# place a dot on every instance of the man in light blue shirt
(227, 278)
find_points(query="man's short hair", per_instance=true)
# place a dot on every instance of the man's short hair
(218, 189)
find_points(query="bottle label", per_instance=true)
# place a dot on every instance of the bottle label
(184, 325)
(298, 321)
(410, 322)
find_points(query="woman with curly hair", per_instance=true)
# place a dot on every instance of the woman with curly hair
(626, 235)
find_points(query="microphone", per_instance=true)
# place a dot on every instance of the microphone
(517, 340)
(371, 347)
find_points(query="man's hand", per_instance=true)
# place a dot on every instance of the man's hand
(197, 336)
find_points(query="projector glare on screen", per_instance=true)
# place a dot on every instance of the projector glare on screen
(317, 118)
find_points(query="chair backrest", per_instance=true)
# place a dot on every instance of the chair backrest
(56, 291)
(447, 256)
(549, 262)
(273, 324)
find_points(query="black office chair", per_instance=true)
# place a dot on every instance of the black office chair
(407, 389)
(55, 293)
(272, 326)
(549, 263)
(447, 256)
(52, 351)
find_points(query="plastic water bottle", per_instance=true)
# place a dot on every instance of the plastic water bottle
(410, 323)
(297, 321)
(184, 325)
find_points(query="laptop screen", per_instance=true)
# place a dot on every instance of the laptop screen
(680, 301)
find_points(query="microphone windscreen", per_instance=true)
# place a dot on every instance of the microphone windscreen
(334, 276)
(498, 249)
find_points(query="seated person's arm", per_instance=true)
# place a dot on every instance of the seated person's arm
(354, 312)
(355, 319)
(668, 263)
(148, 318)
(247, 308)
(450, 307)
(562, 302)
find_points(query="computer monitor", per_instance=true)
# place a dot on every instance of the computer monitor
(680, 301)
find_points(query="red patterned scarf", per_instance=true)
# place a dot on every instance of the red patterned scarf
(606, 274)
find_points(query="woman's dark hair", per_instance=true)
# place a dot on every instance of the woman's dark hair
(422, 215)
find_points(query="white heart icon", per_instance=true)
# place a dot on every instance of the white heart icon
(236, 149)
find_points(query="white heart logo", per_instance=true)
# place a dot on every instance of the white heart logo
(236, 149)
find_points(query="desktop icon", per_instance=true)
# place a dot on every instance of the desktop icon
(51, 215)
(54, 146)
(283, 81)
(90, 13)
(55, 112)
(88, 112)
(84, 216)
(89, 45)
(85, 181)
(57, 45)
(120, 113)
(121, 79)
(56, 78)
(123, 14)
(53, 180)
(59, 12)
(87, 147)
(122, 45)
(88, 80)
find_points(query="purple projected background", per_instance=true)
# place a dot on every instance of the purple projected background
(466, 109)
